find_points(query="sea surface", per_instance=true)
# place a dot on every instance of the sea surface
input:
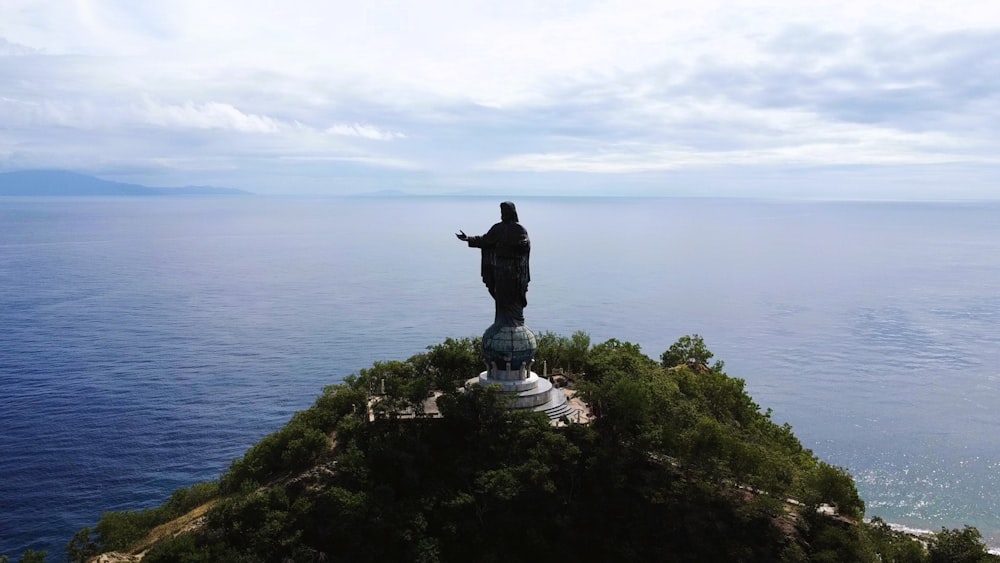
(145, 343)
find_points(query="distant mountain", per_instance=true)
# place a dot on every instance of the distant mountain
(63, 183)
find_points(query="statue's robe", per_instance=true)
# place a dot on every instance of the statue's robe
(505, 249)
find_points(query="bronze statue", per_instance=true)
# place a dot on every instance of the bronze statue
(505, 248)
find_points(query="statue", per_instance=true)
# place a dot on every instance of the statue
(508, 345)
(505, 248)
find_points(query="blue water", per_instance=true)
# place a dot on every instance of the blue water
(146, 343)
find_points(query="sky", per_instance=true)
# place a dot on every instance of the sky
(844, 99)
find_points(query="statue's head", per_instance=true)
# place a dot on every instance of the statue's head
(508, 212)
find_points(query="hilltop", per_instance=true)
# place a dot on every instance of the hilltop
(63, 183)
(678, 463)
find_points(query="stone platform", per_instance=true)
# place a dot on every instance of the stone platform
(527, 391)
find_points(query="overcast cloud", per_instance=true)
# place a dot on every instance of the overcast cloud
(844, 99)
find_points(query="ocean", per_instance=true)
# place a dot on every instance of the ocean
(145, 343)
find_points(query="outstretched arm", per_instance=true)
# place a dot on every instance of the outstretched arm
(462, 236)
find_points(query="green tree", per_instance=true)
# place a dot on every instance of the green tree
(626, 410)
(577, 350)
(958, 546)
(891, 546)
(300, 442)
(831, 542)
(689, 351)
(557, 351)
(82, 546)
(614, 358)
(182, 548)
(32, 556)
(454, 361)
(833, 485)
(401, 387)
(550, 350)
(117, 531)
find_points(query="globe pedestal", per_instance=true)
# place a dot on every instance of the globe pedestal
(509, 352)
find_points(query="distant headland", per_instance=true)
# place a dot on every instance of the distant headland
(58, 183)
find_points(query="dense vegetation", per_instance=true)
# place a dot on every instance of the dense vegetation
(679, 465)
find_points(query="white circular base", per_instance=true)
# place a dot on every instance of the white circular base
(535, 393)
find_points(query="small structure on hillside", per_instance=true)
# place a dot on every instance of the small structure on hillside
(508, 344)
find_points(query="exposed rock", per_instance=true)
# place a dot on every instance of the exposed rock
(115, 557)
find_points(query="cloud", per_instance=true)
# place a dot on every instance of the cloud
(207, 115)
(380, 162)
(364, 131)
(87, 114)
(584, 87)
(625, 159)
(818, 99)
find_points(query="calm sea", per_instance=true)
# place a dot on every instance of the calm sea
(146, 343)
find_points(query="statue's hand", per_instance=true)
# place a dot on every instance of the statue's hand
(461, 235)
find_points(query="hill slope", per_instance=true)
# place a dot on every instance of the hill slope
(679, 465)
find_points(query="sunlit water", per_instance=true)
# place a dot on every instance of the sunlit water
(146, 343)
